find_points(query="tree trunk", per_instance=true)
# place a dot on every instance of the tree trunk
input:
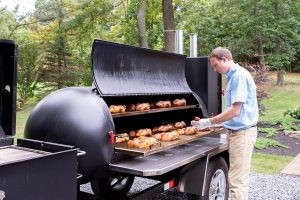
(142, 24)
(280, 78)
(169, 25)
(278, 46)
(259, 43)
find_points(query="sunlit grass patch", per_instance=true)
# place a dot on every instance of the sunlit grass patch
(269, 164)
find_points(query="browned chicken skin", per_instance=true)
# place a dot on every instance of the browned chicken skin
(191, 130)
(130, 107)
(165, 128)
(142, 106)
(132, 134)
(169, 136)
(181, 131)
(163, 104)
(179, 102)
(180, 124)
(117, 108)
(144, 132)
(157, 136)
(122, 137)
(142, 142)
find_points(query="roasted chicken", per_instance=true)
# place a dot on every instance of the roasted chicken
(179, 102)
(122, 137)
(141, 142)
(169, 136)
(144, 132)
(117, 108)
(180, 124)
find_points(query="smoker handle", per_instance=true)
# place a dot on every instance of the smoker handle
(79, 176)
(80, 153)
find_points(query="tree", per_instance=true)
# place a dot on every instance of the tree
(58, 63)
(27, 69)
(7, 22)
(169, 25)
(142, 24)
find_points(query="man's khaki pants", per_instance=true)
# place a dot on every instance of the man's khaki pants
(240, 144)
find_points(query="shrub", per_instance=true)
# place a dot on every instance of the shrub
(294, 113)
(263, 143)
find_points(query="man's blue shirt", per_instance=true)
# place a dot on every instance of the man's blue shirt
(241, 88)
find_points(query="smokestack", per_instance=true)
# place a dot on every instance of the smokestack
(193, 45)
(179, 41)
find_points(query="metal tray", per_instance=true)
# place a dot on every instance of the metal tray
(162, 146)
(156, 110)
(166, 161)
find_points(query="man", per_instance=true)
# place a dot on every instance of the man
(239, 117)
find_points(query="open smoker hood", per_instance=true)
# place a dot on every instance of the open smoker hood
(122, 70)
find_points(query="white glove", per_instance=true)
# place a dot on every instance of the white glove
(202, 123)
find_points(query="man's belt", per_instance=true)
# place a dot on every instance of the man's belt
(233, 131)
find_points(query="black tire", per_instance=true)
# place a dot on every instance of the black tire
(217, 168)
(113, 187)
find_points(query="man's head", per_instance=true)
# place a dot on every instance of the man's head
(221, 60)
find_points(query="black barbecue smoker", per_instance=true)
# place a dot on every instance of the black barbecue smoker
(80, 117)
(30, 169)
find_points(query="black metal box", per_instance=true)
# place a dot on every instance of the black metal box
(8, 85)
(38, 170)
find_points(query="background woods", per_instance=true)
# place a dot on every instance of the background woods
(55, 39)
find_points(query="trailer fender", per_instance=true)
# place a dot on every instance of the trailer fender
(192, 176)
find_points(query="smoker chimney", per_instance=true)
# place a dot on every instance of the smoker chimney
(193, 45)
(179, 41)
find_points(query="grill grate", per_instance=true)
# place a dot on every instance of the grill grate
(15, 153)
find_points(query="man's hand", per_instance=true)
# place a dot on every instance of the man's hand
(202, 123)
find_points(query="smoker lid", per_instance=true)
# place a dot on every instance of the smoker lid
(123, 70)
(8, 84)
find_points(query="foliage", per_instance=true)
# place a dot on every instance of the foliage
(269, 164)
(270, 131)
(7, 22)
(263, 143)
(288, 124)
(64, 31)
(294, 113)
(27, 70)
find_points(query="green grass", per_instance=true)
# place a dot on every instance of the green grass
(270, 131)
(22, 116)
(281, 100)
(269, 164)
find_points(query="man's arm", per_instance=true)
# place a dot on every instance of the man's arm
(231, 112)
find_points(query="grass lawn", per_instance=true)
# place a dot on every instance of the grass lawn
(281, 98)
(22, 116)
(269, 164)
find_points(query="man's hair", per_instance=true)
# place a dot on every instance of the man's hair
(221, 52)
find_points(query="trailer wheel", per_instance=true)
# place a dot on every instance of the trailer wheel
(216, 186)
(112, 187)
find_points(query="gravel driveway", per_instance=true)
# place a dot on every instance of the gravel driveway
(262, 187)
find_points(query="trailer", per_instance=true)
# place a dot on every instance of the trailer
(124, 75)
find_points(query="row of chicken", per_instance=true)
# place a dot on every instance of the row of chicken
(144, 138)
(146, 106)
